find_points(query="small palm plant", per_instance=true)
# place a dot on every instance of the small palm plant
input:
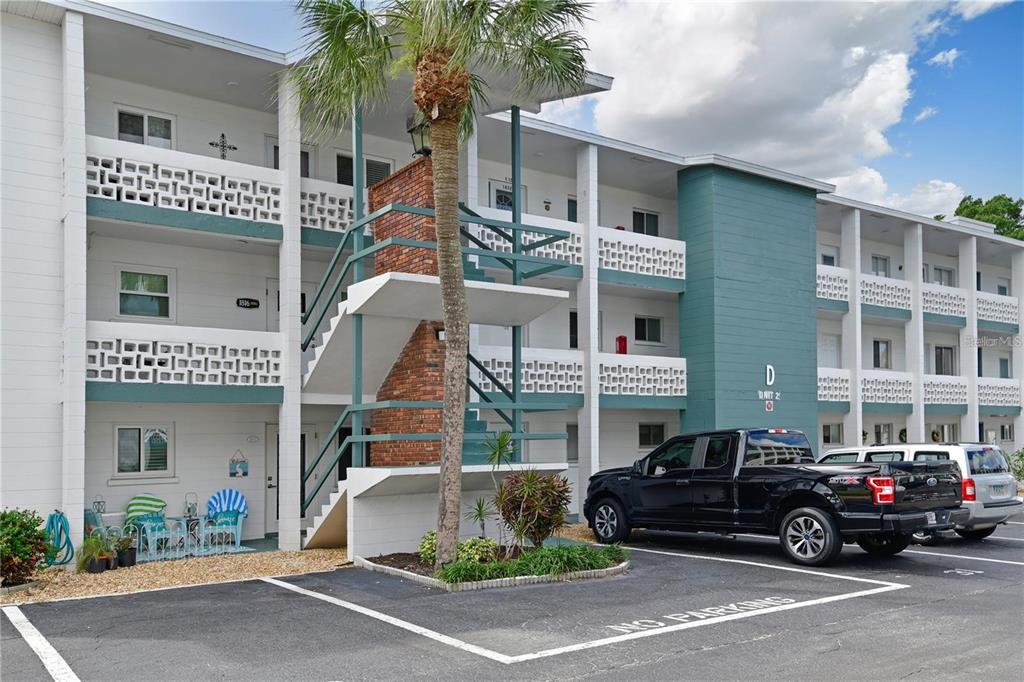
(447, 46)
(479, 513)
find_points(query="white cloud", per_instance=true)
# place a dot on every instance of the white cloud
(945, 58)
(970, 9)
(925, 114)
(927, 198)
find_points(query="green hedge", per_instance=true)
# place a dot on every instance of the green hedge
(540, 561)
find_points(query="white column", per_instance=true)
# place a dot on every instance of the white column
(290, 275)
(1016, 289)
(587, 306)
(75, 245)
(849, 258)
(913, 263)
(967, 267)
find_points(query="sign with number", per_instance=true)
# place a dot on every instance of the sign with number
(247, 302)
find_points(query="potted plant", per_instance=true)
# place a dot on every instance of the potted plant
(109, 553)
(90, 555)
(124, 545)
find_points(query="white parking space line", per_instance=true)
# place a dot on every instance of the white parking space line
(1001, 537)
(54, 663)
(1016, 523)
(883, 586)
(961, 556)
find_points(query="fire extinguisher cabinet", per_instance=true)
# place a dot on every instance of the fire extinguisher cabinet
(620, 345)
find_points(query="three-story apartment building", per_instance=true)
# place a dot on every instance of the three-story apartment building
(187, 280)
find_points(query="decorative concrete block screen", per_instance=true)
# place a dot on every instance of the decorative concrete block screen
(833, 283)
(945, 390)
(136, 174)
(885, 292)
(642, 375)
(997, 308)
(570, 250)
(135, 353)
(542, 371)
(833, 384)
(1002, 392)
(641, 254)
(887, 387)
(325, 205)
(942, 300)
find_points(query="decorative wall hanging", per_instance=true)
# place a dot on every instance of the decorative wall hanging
(238, 466)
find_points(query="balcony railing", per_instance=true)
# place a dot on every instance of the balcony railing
(641, 254)
(129, 352)
(943, 300)
(325, 205)
(998, 308)
(881, 386)
(1001, 392)
(945, 390)
(642, 375)
(544, 370)
(139, 174)
(833, 384)
(885, 292)
(833, 283)
(569, 250)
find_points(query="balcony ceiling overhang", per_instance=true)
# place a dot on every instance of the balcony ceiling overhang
(418, 297)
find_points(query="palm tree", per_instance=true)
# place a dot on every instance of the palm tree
(446, 45)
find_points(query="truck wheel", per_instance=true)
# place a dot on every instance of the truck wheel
(810, 537)
(883, 544)
(975, 533)
(609, 523)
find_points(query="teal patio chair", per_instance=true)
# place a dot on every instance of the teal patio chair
(222, 528)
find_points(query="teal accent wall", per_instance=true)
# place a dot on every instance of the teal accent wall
(642, 402)
(1002, 327)
(887, 408)
(936, 408)
(832, 304)
(833, 406)
(750, 300)
(881, 311)
(633, 279)
(182, 393)
(998, 410)
(952, 320)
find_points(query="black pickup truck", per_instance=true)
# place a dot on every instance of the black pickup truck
(765, 481)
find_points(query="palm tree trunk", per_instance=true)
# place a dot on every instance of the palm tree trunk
(445, 143)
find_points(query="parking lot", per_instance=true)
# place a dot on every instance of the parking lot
(696, 607)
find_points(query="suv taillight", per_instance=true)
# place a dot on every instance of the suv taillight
(883, 489)
(967, 490)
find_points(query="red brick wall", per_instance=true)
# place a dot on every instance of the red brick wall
(416, 375)
(412, 186)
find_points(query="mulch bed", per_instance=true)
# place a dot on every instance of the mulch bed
(409, 561)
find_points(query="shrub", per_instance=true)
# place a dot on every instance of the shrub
(91, 549)
(1016, 461)
(540, 561)
(23, 544)
(532, 505)
(477, 550)
(428, 547)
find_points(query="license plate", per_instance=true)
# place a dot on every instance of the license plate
(998, 490)
(929, 518)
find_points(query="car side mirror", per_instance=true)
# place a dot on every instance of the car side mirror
(638, 467)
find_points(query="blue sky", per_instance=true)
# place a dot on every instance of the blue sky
(844, 92)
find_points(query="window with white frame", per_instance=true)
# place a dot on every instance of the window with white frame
(944, 276)
(1006, 432)
(645, 222)
(571, 209)
(881, 354)
(647, 329)
(1004, 368)
(145, 127)
(651, 435)
(945, 360)
(307, 157)
(143, 450)
(880, 265)
(376, 170)
(145, 292)
(832, 434)
(829, 255)
(1002, 286)
(883, 434)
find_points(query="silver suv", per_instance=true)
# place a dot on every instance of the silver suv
(989, 489)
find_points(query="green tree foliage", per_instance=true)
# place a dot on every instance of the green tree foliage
(1001, 210)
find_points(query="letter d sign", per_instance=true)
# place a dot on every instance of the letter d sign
(769, 375)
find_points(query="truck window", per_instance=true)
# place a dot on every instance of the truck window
(839, 457)
(988, 460)
(677, 455)
(717, 452)
(768, 447)
(885, 457)
(931, 456)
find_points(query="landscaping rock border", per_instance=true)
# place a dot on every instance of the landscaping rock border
(619, 569)
(18, 588)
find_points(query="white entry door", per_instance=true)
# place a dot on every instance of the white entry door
(829, 346)
(274, 472)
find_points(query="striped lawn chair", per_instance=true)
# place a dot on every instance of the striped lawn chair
(225, 511)
(160, 537)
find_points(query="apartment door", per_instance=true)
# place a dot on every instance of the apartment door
(828, 350)
(274, 472)
(274, 301)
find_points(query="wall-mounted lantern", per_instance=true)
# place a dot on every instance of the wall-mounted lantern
(419, 133)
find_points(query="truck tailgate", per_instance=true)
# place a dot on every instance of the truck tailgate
(921, 486)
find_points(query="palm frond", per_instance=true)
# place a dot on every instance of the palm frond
(346, 56)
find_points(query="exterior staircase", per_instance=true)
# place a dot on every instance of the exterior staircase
(473, 272)
(474, 451)
(330, 526)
